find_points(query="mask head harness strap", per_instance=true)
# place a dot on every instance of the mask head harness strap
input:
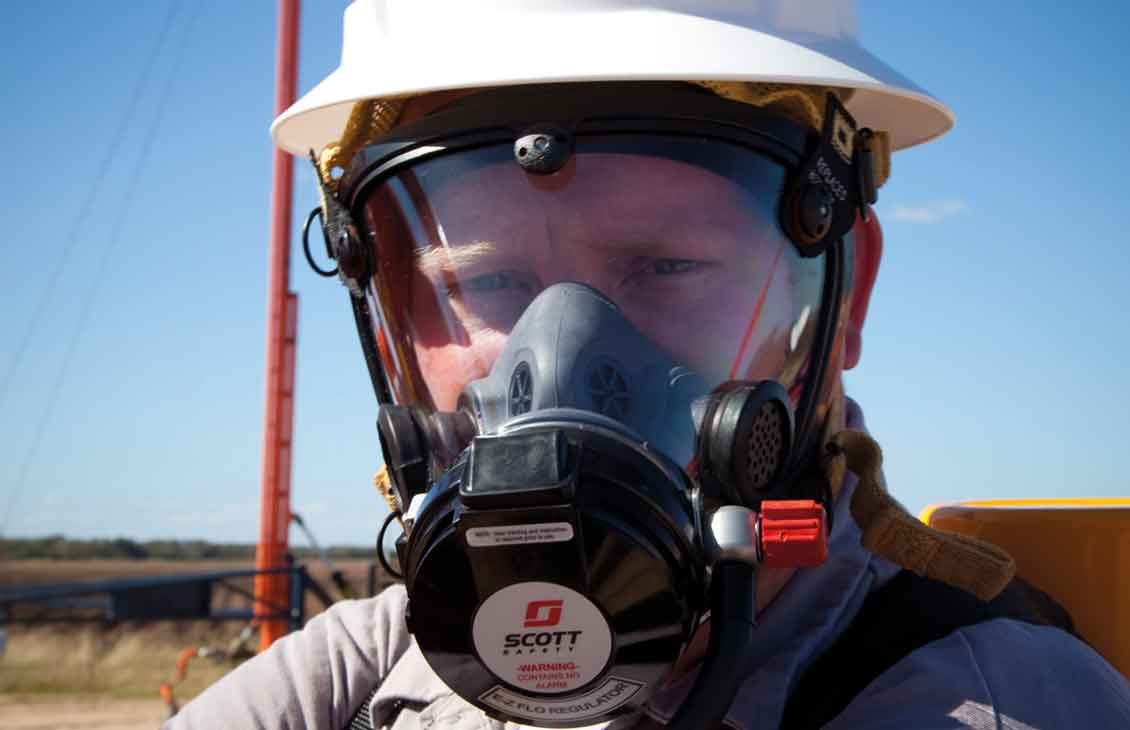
(343, 242)
(835, 181)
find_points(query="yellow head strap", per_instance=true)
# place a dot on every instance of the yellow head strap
(373, 118)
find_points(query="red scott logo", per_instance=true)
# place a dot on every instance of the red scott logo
(543, 613)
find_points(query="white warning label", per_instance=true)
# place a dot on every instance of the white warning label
(542, 637)
(605, 698)
(519, 534)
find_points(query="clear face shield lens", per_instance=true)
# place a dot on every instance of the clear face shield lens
(679, 233)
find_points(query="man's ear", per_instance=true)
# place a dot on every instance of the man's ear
(868, 251)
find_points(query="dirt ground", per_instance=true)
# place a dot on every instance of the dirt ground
(98, 675)
(79, 712)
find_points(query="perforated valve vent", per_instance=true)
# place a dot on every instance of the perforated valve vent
(767, 439)
(746, 442)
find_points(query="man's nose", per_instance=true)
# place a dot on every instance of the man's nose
(574, 267)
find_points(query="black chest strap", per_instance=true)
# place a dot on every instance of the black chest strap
(903, 615)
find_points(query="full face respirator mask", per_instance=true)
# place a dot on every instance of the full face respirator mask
(599, 483)
(559, 564)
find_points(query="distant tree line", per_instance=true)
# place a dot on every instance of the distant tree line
(58, 547)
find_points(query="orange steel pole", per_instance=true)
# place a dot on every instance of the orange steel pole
(272, 592)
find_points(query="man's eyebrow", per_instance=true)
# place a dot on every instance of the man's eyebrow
(439, 260)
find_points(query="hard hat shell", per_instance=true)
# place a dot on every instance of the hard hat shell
(407, 47)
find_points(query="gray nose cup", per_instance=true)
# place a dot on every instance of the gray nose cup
(573, 348)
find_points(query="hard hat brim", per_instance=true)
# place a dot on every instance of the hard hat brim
(639, 44)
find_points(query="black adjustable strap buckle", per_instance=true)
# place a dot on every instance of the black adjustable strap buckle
(836, 181)
(343, 241)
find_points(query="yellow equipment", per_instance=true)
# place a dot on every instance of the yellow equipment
(1076, 550)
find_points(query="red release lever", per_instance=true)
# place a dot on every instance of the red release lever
(794, 533)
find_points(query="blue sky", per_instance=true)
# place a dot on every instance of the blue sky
(994, 353)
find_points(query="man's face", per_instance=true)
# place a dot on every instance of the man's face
(694, 260)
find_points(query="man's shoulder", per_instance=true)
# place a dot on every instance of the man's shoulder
(1019, 660)
(999, 673)
(377, 623)
(387, 607)
(316, 677)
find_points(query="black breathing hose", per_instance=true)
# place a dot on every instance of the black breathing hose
(732, 623)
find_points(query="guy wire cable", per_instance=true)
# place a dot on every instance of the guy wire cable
(92, 293)
(47, 293)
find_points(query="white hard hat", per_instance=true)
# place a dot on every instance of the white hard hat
(407, 47)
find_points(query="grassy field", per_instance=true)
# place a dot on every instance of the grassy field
(124, 660)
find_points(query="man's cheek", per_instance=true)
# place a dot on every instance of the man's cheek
(447, 368)
(706, 341)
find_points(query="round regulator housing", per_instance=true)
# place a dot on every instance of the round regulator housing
(554, 574)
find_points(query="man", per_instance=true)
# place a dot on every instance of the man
(640, 206)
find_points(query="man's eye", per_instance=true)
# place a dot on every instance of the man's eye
(497, 281)
(674, 266)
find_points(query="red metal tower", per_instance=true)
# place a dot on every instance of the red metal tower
(272, 591)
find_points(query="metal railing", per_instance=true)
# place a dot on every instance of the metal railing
(182, 596)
